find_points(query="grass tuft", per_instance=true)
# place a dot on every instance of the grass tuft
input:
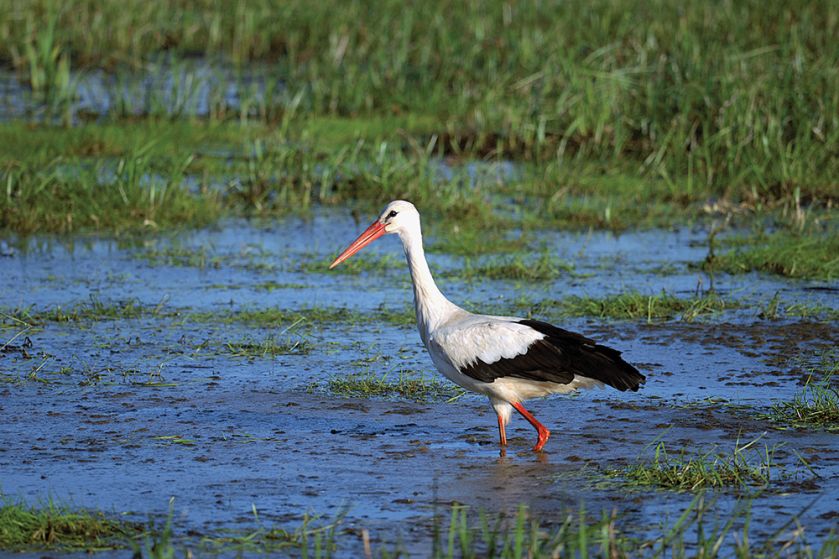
(471, 241)
(784, 254)
(274, 317)
(544, 268)
(129, 195)
(405, 386)
(93, 311)
(305, 317)
(746, 466)
(199, 257)
(55, 527)
(697, 532)
(359, 263)
(776, 308)
(269, 347)
(635, 305)
(817, 405)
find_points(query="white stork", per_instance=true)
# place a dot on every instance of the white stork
(507, 359)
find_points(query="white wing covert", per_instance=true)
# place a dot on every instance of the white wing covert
(483, 338)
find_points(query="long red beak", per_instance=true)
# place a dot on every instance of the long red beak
(370, 234)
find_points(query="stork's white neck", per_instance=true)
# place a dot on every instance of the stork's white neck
(431, 305)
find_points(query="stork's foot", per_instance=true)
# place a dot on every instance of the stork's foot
(543, 432)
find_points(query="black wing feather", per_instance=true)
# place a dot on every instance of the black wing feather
(558, 357)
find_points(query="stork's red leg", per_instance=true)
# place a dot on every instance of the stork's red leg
(502, 431)
(543, 432)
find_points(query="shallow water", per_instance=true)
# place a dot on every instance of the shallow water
(133, 412)
(194, 87)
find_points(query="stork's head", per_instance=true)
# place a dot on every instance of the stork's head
(398, 217)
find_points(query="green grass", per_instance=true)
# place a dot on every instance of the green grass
(160, 140)
(314, 538)
(330, 132)
(60, 528)
(48, 63)
(274, 317)
(741, 98)
(625, 112)
(93, 311)
(459, 532)
(269, 317)
(545, 267)
(174, 439)
(157, 177)
(252, 258)
(269, 347)
(124, 195)
(624, 306)
(357, 264)
(455, 239)
(697, 532)
(816, 406)
(634, 306)
(397, 316)
(785, 254)
(315, 316)
(199, 257)
(585, 194)
(273, 286)
(404, 386)
(746, 466)
(776, 308)
(630, 305)
(116, 177)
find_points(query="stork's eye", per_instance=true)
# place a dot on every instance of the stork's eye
(392, 214)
